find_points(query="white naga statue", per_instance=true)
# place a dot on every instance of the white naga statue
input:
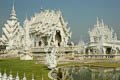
(50, 59)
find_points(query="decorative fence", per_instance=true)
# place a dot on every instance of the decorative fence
(10, 77)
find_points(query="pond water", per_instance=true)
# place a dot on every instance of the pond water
(88, 73)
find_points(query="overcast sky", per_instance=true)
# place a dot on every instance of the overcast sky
(80, 14)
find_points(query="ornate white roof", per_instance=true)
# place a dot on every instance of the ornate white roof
(47, 22)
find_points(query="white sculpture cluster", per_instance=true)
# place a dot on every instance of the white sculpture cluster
(50, 59)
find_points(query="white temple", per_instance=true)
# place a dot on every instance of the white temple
(44, 29)
(47, 29)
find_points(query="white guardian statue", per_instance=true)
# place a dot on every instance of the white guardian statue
(51, 59)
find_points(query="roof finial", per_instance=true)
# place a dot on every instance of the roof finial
(89, 29)
(41, 7)
(102, 22)
(13, 14)
(26, 16)
(26, 19)
(97, 21)
(13, 6)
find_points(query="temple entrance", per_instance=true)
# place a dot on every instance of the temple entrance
(108, 50)
(58, 37)
(39, 43)
(44, 39)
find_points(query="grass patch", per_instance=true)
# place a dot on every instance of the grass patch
(27, 67)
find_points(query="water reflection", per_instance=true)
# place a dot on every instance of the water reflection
(88, 73)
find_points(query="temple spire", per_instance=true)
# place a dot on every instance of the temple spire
(41, 6)
(115, 36)
(13, 14)
(26, 17)
(26, 20)
(97, 21)
(89, 29)
(13, 6)
(102, 22)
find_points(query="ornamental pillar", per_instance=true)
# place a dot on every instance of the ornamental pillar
(104, 51)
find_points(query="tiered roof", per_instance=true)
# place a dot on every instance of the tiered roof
(11, 28)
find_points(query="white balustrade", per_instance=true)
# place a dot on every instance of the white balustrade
(10, 77)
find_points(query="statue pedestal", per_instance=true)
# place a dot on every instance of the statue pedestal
(26, 56)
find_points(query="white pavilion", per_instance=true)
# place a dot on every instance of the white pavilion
(103, 42)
